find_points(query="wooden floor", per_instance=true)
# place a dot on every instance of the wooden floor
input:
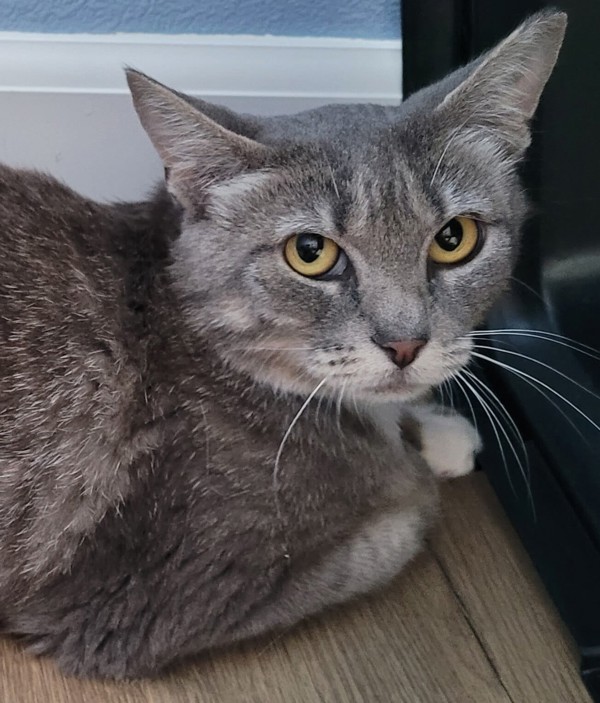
(467, 622)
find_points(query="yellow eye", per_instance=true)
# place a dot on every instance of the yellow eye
(455, 242)
(311, 254)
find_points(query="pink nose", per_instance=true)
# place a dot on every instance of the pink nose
(404, 353)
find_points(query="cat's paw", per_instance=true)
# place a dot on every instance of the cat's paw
(449, 443)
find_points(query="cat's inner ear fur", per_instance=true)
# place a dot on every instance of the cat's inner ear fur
(502, 92)
(196, 151)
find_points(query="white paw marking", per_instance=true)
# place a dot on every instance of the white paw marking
(449, 444)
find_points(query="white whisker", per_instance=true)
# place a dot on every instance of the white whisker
(339, 404)
(441, 389)
(492, 420)
(550, 400)
(318, 410)
(470, 404)
(455, 132)
(527, 287)
(494, 398)
(544, 336)
(450, 393)
(280, 450)
(522, 374)
(536, 361)
(335, 187)
(496, 403)
(355, 403)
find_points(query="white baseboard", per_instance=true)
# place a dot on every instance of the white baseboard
(64, 106)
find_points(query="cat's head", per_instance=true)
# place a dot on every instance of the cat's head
(357, 244)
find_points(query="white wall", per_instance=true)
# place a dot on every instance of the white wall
(64, 107)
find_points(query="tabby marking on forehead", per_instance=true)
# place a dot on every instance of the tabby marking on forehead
(225, 194)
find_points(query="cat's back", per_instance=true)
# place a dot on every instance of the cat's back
(56, 274)
(69, 382)
(45, 229)
(59, 289)
(61, 284)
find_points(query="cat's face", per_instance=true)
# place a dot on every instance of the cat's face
(312, 244)
(381, 214)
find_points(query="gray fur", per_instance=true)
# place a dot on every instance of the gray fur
(160, 493)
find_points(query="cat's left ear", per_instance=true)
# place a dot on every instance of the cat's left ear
(498, 98)
(196, 151)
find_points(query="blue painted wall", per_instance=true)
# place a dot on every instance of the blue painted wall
(370, 19)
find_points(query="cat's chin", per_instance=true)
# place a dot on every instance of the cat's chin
(399, 387)
(392, 392)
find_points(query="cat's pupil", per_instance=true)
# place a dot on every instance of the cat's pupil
(309, 247)
(451, 236)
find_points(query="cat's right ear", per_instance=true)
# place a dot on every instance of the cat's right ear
(196, 151)
(498, 96)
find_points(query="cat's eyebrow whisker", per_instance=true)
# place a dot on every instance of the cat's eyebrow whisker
(335, 187)
(542, 335)
(455, 132)
(533, 381)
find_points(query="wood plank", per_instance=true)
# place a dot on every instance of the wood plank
(409, 644)
(504, 597)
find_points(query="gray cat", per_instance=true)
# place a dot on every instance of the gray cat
(213, 405)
